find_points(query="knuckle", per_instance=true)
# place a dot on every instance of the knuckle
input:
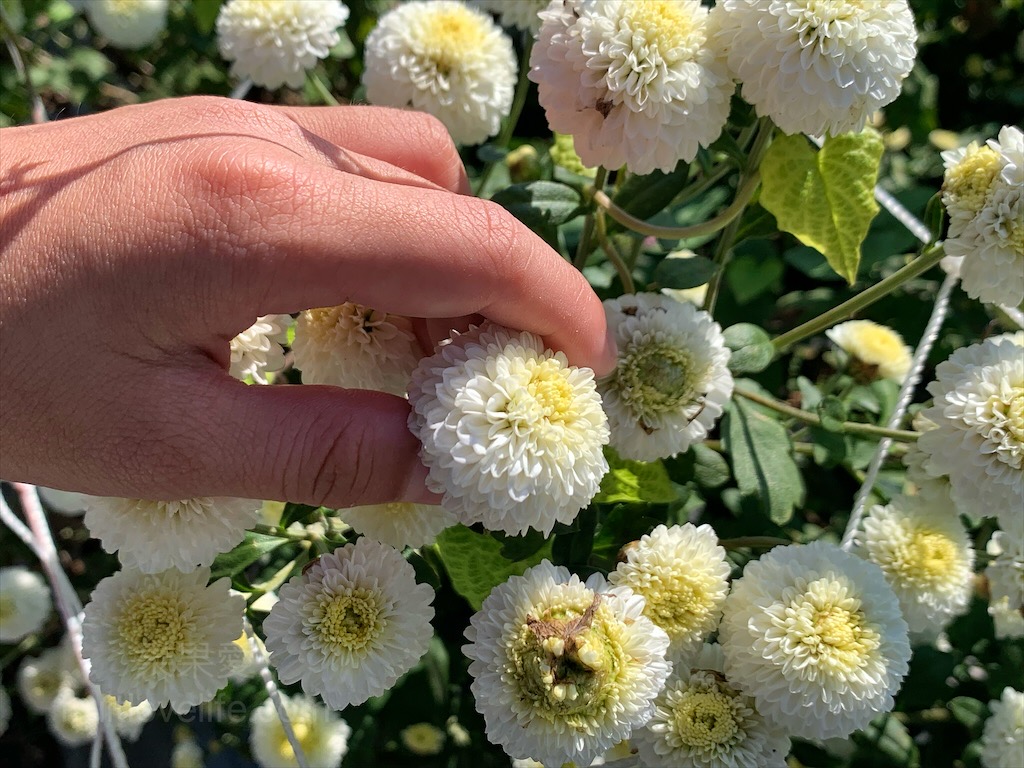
(440, 149)
(331, 464)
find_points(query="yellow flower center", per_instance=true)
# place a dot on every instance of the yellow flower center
(704, 718)
(663, 25)
(449, 36)
(156, 630)
(679, 605)
(551, 391)
(351, 621)
(1015, 415)
(927, 558)
(305, 733)
(968, 181)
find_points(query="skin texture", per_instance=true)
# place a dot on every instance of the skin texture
(137, 243)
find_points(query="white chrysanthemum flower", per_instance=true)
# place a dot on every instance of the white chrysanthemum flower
(683, 576)
(187, 754)
(922, 482)
(638, 83)
(165, 638)
(321, 733)
(24, 603)
(1002, 739)
(248, 665)
(153, 536)
(274, 42)
(876, 347)
(355, 347)
(68, 503)
(1005, 571)
(970, 172)
(400, 524)
(351, 624)
(130, 24)
(818, 66)
(521, 14)
(815, 635)
(128, 719)
(5, 710)
(979, 441)
(1007, 618)
(703, 721)
(259, 349)
(563, 670)
(73, 719)
(512, 434)
(444, 58)
(672, 379)
(42, 677)
(422, 739)
(926, 555)
(1010, 146)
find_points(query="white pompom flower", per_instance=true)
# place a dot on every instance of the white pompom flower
(152, 536)
(563, 670)
(1005, 571)
(355, 347)
(512, 434)
(351, 624)
(521, 14)
(672, 379)
(926, 555)
(639, 84)
(814, 634)
(130, 24)
(1007, 618)
(683, 575)
(444, 58)
(400, 524)
(702, 720)
(166, 638)
(321, 733)
(876, 347)
(1010, 146)
(274, 42)
(259, 349)
(818, 66)
(73, 719)
(24, 603)
(979, 440)
(42, 677)
(969, 174)
(1002, 739)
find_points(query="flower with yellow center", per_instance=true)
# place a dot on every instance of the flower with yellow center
(24, 603)
(683, 576)
(512, 434)
(165, 638)
(322, 735)
(704, 721)
(926, 555)
(351, 624)
(41, 678)
(563, 670)
(423, 739)
(259, 349)
(970, 172)
(444, 58)
(128, 24)
(814, 634)
(876, 349)
(74, 720)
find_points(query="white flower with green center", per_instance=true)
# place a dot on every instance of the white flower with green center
(321, 733)
(563, 670)
(152, 536)
(351, 624)
(24, 603)
(444, 58)
(128, 24)
(702, 720)
(355, 347)
(818, 66)
(979, 441)
(259, 349)
(1002, 740)
(400, 524)
(683, 576)
(877, 349)
(42, 677)
(521, 14)
(511, 433)
(814, 634)
(73, 719)
(638, 83)
(926, 555)
(274, 42)
(166, 638)
(672, 379)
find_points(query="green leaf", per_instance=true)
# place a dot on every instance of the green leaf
(682, 273)
(644, 196)
(13, 14)
(970, 712)
(751, 346)
(475, 564)
(710, 470)
(253, 547)
(635, 481)
(825, 198)
(540, 204)
(205, 13)
(832, 413)
(890, 739)
(762, 461)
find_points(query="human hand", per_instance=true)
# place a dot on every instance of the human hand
(138, 242)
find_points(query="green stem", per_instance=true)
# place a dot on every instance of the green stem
(698, 189)
(628, 286)
(864, 299)
(583, 248)
(321, 88)
(518, 102)
(754, 542)
(847, 427)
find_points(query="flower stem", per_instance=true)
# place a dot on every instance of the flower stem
(518, 102)
(754, 542)
(847, 427)
(321, 88)
(864, 299)
(583, 249)
(625, 276)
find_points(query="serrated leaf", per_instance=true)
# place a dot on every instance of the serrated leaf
(253, 547)
(540, 204)
(825, 198)
(751, 346)
(682, 273)
(762, 461)
(475, 565)
(205, 13)
(635, 481)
